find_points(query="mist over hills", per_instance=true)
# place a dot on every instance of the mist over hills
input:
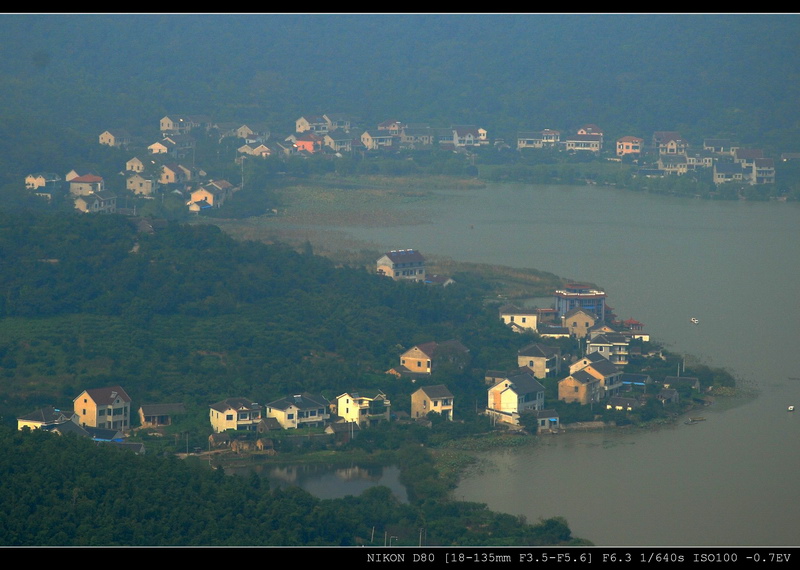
(701, 74)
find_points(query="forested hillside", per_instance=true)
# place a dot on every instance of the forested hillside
(189, 314)
(67, 491)
(703, 75)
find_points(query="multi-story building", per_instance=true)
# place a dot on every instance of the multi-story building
(580, 296)
(365, 409)
(236, 414)
(514, 395)
(299, 410)
(107, 408)
(402, 264)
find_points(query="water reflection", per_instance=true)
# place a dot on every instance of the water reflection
(329, 481)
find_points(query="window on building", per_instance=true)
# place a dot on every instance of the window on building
(229, 417)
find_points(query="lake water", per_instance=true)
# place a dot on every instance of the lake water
(731, 480)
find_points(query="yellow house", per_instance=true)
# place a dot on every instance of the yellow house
(428, 399)
(134, 165)
(40, 180)
(235, 414)
(313, 123)
(116, 138)
(544, 361)
(299, 410)
(107, 408)
(520, 320)
(46, 417)
(96, 203)
(138, 184)
(580, 387)
(365, 410)
(578, 321)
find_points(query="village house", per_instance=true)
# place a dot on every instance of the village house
(580, 387)
(366, 409)
(313, 123)
(338, 141)
(402, 264)
(578, 321)
(96, 203)
(159, 415)
(375, 139)
(86, 184)
(107, 408)
(141, 185)
(630, 145)
(46, 417)
(253, 133)
(428, 399)
(182, 124)
(41, 180)
(337, 122)
(423, 358)
(520, 320)
(547, 421)
(544, 361)
(584, 142)
(614, 346)
(135, 164)
(669, 142)
(299, 410)
(308, 141)
(118, 138)
(720, 146)
(514, 395)
(622, 404)
(235, 414)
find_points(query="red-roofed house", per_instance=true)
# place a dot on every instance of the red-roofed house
(86, 184)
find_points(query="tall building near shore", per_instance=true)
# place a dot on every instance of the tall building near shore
(580, 296)
(400, 264)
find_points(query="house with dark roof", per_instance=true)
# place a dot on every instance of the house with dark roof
(578, 321)
(544, 361)
(108, 408)
(235, 414)
(547, 421)
(402, 264)
(437, 398)
(300, 410)
(423, 358)
(621, 404)
(46, 417)
(580, 387)
(614, 346)
(514, 395)
(159, 415)
(519, 320)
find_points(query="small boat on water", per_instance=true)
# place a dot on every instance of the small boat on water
(694, 321)
(694, 420)
(791, 408)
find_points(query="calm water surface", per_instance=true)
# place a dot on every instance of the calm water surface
(731, 480)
